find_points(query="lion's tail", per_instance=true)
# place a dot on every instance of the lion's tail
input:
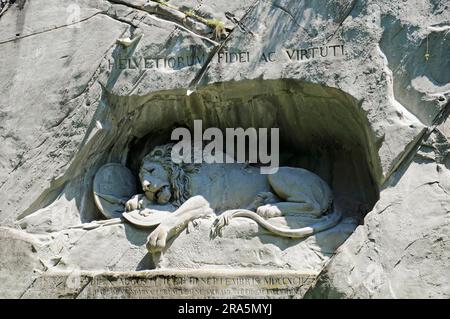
(328, 221)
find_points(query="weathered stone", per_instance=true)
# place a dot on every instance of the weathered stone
(402, 249)
(245, 245)
(359, 89)
(172, 284)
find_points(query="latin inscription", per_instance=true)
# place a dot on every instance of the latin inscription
(279, 286)
(225, 57)
(174, 284)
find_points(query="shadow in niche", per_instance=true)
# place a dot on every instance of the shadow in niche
(322, 129)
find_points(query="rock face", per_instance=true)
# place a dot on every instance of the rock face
(245, 246)
(401, 251)
(359, 89)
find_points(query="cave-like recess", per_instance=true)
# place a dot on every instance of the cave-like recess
(321, 129)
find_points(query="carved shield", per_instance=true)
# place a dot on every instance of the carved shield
(114, 184)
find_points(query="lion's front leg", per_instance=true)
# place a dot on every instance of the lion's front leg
(194, 208)
(157, 240)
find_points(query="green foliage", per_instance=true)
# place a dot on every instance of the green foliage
(217, 26)
(191, 13)
(166, 4)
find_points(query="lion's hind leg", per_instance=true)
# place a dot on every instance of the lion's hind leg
(288, 208)
(302, 192)
(263, 198)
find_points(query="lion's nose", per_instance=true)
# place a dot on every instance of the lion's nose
(146, 186)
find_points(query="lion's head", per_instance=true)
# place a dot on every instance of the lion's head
(162, 180)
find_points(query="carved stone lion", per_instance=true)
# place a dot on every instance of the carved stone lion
(228, 190)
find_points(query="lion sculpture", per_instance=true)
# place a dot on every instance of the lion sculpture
(182, 193)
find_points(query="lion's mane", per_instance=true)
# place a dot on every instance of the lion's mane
(179, 174)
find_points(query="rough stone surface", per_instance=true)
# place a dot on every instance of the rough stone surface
(244, 245)
(249, 284)
(371, 120)
(402, 250)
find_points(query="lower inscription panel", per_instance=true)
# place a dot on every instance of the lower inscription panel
(172, 284)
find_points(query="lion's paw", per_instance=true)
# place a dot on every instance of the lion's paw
(193, 224)
(156, 241)
(220, 222)
(136, 202)
(268, 211)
